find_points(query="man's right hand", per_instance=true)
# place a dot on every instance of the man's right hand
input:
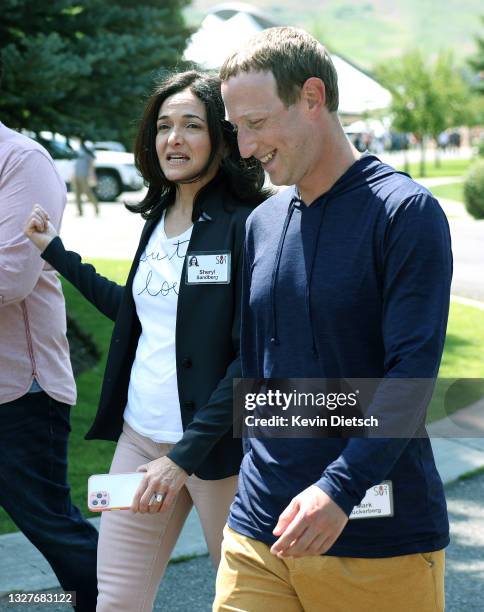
(310, 525)
(39, 229)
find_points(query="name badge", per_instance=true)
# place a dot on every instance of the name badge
(377, 503)
(208, 268)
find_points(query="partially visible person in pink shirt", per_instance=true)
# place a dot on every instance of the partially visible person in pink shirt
(37, 386)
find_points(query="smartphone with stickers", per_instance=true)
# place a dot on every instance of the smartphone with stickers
(112, 491)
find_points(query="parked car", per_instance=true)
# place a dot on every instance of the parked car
(115, 170)
(62, 153)
(108, 145)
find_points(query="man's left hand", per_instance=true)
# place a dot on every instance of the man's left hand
(310, 525)
(163, 478)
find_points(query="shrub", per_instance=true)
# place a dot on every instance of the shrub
(480, 148)
(474, 190)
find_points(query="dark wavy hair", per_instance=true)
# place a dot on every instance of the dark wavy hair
(244, 178)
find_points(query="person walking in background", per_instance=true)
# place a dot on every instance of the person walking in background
(84, 177)
(167, 390)
(37, 386)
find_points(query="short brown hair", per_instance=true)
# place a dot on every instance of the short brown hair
(293, 56)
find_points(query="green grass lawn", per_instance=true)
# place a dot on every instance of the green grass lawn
(462, 358)
(451, 191)
(448, 167)
(464, 343)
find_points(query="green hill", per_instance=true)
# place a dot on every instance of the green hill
(367, 31)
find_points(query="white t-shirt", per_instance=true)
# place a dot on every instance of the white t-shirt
(153, 407)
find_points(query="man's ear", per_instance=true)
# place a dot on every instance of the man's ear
(314, 93)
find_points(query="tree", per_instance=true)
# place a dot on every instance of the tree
(83, 67)
(477, 62)
(450, 98)
(427, 98)
(476, 102)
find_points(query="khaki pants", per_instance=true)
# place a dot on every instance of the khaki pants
(134, 549)
(81, 186)
(251, 579)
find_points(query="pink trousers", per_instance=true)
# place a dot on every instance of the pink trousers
(134, 549)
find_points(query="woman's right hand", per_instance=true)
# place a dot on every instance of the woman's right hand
(39, 229)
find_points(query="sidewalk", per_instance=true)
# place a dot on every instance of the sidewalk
(458, 456)
(23, 568)
(112, 235)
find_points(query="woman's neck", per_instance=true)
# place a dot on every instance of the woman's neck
(178, 217)
(184, 199)
(186, 193)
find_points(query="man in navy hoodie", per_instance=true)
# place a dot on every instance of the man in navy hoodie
(347, 275)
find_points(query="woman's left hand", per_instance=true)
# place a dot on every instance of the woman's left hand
(163, 478)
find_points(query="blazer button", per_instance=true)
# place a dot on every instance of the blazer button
(187, 362)
(189, 404)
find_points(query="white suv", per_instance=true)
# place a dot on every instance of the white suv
(115, 172)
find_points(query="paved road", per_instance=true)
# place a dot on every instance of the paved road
(189, 585)
(468, 250)
(465, 555)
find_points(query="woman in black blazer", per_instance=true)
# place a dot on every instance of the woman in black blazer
(167, 390)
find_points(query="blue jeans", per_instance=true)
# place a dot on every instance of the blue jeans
(34, 430)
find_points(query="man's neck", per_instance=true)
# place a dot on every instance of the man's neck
(336, 155)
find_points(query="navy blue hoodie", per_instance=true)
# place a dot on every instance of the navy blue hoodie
(356, 285)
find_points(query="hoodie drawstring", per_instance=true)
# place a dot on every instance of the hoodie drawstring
(275, 271)
(314, 349)
(275, 274)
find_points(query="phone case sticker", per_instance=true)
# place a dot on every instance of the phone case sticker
(112, 491)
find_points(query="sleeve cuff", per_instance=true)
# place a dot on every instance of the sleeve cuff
(54, 246)
(340, 497)
(179, 457)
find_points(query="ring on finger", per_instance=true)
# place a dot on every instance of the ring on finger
(156, 499)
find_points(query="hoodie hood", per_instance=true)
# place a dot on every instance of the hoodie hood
(367, 171)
